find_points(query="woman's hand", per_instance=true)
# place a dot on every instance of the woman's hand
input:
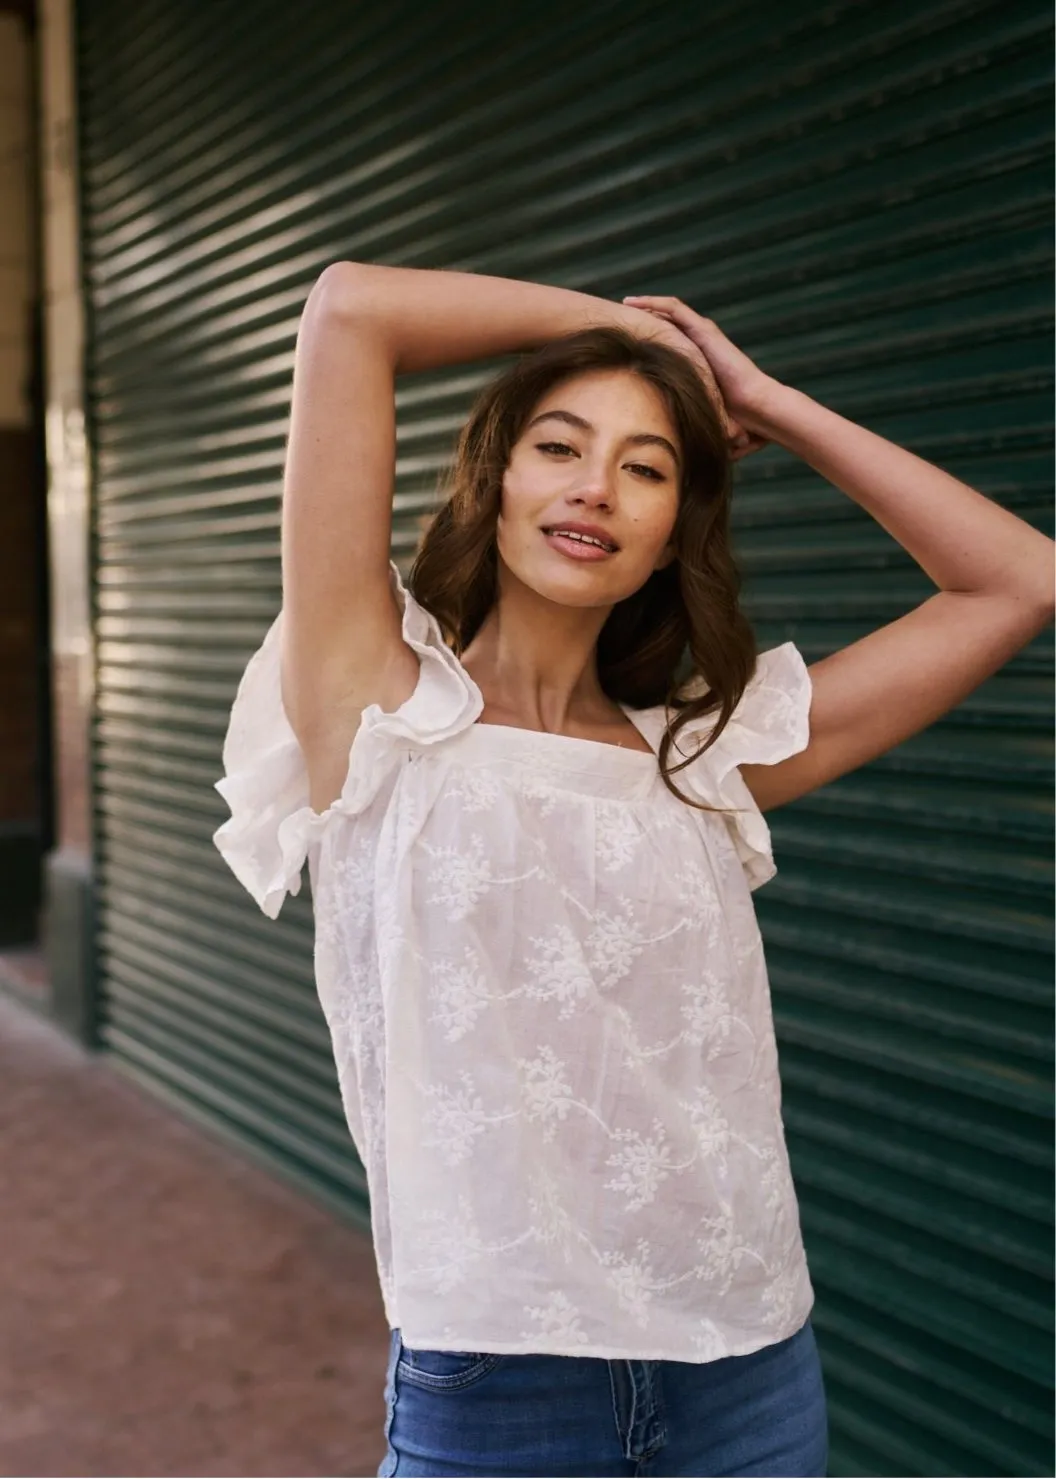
(742, 387)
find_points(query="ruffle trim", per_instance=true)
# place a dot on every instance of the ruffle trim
(272, 826)
(770, 723)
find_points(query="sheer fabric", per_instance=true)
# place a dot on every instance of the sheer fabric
(549, 1009)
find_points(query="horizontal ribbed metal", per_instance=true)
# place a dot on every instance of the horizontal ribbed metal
(862, 199)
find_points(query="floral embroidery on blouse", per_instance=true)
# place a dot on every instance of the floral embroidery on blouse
(549, 1008)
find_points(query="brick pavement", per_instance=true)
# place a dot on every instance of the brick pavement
(165, 1307)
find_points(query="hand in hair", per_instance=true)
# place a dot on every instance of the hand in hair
(743, 388)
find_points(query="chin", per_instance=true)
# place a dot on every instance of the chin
(577, 585)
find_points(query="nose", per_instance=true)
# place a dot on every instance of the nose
(595, 489)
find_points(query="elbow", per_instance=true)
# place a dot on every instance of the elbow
(345, 290)
(1046, 586)
(1034, 610)
(1031, 590)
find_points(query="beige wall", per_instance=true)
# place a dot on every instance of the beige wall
(68, 512)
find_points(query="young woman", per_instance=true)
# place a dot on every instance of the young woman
(530, 789)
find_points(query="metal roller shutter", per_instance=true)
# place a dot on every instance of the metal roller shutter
(860, 197)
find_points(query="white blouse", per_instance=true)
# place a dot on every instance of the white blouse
(549, 1008)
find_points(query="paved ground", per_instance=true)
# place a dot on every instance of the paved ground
(165, 1308)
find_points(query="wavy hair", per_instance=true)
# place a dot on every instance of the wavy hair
(681, 639)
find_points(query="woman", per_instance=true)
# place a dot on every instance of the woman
(532, 835)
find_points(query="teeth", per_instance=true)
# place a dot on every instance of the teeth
(584, 538)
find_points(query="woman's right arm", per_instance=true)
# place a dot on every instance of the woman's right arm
(342, 647)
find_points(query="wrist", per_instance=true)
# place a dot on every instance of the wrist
(772, 408)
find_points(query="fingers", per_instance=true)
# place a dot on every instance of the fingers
(744, 447)
(711, 346)
(655, 301)
(739, 441)
(700, 329)
(665, 318)
(671, 308)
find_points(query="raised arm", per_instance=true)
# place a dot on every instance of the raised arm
(994, 573)
(361, 327)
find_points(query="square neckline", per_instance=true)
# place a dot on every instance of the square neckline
(526, 736)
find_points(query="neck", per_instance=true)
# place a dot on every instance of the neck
(535, 661)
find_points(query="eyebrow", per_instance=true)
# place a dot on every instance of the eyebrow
(637, 439)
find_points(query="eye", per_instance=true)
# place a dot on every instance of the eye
(648, 471)
(562, 448)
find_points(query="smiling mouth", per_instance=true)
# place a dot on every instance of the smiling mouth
(583, 538)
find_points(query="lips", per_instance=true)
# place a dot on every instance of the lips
(587, 535)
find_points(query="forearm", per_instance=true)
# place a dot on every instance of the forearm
(422, 320)
(961, 539)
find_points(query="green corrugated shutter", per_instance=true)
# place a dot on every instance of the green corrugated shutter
(859, 196)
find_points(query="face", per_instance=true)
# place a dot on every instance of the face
(597, 461)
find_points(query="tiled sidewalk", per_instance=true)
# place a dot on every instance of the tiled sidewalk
(165, 1308)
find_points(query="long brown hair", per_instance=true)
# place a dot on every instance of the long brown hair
(685, 622)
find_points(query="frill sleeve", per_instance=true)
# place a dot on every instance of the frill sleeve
(770, 723)
(272, 825)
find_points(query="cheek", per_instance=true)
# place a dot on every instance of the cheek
(510, 501)
(654, 524)
(521, 498)
(513, 521)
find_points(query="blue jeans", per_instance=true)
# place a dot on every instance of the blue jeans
(451, 1412)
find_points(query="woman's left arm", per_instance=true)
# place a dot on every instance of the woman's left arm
(994, 574)
(995, 578)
